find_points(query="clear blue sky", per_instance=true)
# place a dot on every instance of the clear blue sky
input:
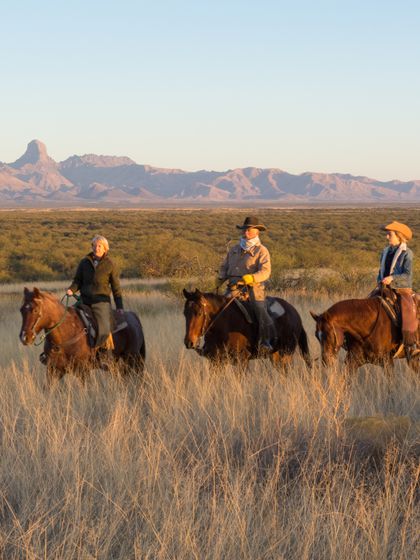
(303, 86)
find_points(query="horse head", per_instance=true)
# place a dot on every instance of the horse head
(329, 335)
(197, 317)
(32, 316)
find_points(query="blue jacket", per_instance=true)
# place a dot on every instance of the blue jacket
(402, 272)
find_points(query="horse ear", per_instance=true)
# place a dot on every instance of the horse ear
(197, 293)
(37, 293)
(186, 293)
(314, 316)
(25, 291)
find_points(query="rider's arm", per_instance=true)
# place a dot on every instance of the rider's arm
(114, 280)
(379, 277)
(402, 276)
(264, 266)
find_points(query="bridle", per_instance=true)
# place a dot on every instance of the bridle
(208, 321)
(38, 318)
(320, 335)
(47, 332)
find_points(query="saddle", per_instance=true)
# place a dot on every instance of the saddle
(274, 308)
(391, 303)
(88, 319)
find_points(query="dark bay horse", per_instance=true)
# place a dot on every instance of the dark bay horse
(364, 328)
(228, 336)
(66, 346)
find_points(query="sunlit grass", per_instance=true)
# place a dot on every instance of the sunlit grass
(190, 463)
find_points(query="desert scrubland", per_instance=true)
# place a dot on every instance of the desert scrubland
(186, 463)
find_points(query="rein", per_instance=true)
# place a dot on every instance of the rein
(205, 329)
(47, 332)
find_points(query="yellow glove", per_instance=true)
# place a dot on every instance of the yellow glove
(248, 279)
(219, 282)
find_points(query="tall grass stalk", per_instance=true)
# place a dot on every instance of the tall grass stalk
(189, 463)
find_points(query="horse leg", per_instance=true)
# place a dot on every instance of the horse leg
(282, 362)
(387, 364)
(132, 366)
(353, 361)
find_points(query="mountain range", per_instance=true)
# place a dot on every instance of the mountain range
(35, 179)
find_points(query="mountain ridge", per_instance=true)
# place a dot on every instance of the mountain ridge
(35, 178)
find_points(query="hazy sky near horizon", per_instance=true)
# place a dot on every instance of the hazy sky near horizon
(305, 86)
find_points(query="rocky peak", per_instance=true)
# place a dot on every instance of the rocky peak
(36, 152)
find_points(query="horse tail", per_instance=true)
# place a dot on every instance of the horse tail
(142, 350)
(134, 355)
(304, 347)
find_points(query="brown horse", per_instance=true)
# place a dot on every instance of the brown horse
(229, 336)
(66, 346)
(363, 328)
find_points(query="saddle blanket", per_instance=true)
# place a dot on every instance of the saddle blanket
(274, 307)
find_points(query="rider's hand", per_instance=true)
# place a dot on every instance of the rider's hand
(387, 280)
(248, 279)
(69, 292)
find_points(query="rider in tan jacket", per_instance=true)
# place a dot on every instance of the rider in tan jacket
(248, 262)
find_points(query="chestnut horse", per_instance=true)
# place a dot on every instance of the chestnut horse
(66, 347)
(363, 328)
(228, 336)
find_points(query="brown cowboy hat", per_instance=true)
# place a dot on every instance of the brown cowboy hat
(400, 228)
(252, 221)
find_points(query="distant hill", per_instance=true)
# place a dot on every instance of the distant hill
(36, 179)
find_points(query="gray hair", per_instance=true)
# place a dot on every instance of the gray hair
(103, 240)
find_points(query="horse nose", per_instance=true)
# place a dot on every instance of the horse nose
(23, 337)
(188, 343)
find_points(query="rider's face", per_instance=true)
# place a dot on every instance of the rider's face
(392, 238)
(98, 249)
(251, 232)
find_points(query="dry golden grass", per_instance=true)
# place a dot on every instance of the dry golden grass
(190, 464)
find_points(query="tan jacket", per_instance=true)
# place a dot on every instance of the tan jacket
(256, 261)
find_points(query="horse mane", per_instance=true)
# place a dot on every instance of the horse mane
(49, 297)
(215, 298)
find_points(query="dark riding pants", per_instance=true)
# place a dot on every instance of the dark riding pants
(266, 329)
(102, 313)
